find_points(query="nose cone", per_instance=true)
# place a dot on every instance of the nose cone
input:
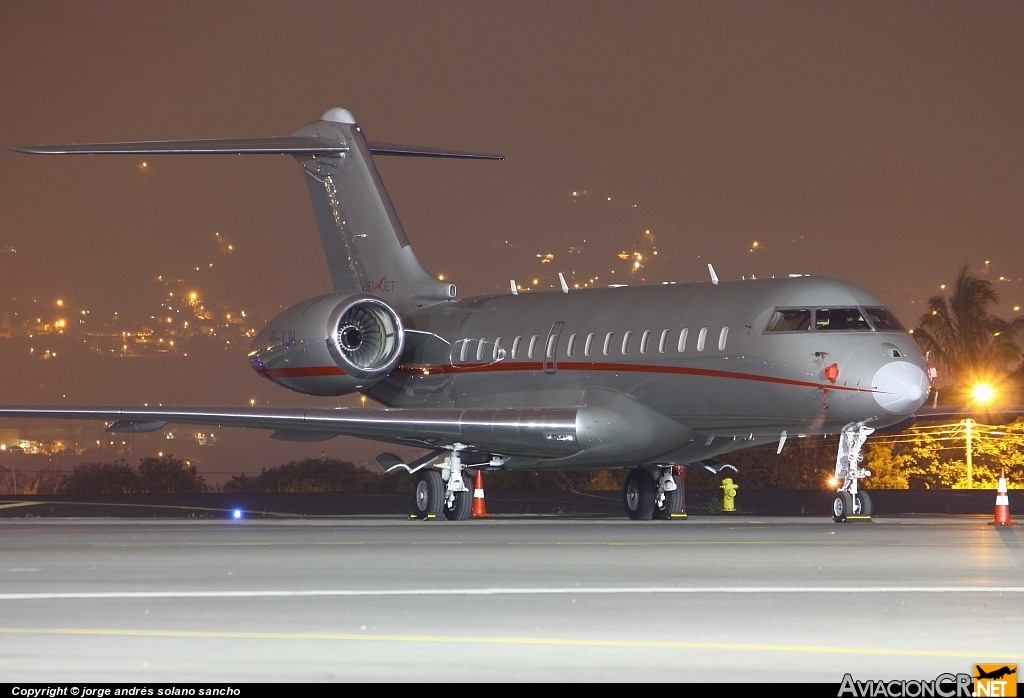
(900, 387)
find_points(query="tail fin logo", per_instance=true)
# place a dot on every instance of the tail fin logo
(382, 286)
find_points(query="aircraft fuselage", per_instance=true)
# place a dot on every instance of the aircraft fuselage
(730, 382)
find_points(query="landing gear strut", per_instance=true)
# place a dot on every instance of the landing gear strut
(669, 499)
(443, 491)
(458, 499)
(849, 501)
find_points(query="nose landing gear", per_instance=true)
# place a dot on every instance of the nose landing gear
(850, 503)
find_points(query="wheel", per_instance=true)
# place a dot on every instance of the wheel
(673, 503)
(638, 495)
(428, 493)
(460, 508)
(842, 506)
(862, 504)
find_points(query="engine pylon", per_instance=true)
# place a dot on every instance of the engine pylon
(479, 502)
(1002, 513)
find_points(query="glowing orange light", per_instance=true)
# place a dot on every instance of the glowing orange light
(983, 393)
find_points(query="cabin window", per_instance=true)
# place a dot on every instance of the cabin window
(831, 319)
(571, 345)
(722, 337)
(884, 320)
(644, 341)
(702, 337)
(797, 320)
(588, 346)
(663, 342)
(532, 351)
(550, 351)
(608, 343)
(465, 350)
(498, 354)
(480, 349)
(625, 342)
(682, 339)
(515, 346)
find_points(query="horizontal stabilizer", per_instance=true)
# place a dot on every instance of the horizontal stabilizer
(415, 151)
(274, 145)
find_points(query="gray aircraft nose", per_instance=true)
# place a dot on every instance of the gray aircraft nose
(900, 387)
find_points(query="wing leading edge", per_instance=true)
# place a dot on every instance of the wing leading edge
(542, 433)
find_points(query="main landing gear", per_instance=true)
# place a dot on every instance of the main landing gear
(443, 491)
(851, 503)
(645, 498)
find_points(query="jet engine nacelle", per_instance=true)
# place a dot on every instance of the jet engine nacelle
(330, 345)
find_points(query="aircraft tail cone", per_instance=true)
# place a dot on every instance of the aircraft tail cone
(1002, 514)
(479, 503)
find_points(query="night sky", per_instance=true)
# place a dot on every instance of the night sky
(879, 143)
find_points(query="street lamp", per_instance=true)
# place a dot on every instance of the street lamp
(981, 394)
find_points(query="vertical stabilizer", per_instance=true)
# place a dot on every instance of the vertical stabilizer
(365, 245)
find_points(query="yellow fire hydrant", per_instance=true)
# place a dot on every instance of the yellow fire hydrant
(729, 489)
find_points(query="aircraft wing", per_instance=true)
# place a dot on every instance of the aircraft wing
(543, 433)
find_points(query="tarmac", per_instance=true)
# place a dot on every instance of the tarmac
(507, 598)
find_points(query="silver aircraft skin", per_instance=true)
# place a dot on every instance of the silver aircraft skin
(639, 377)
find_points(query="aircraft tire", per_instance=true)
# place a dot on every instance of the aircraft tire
(842, 506)
(863, 504)
(428, 494)
(673, 502)
(638, 495)
(462, 507)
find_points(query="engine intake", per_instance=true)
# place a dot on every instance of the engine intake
(331, 345)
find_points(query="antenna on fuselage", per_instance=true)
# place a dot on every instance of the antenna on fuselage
(512, 283)
(561, 280)
(714, 276)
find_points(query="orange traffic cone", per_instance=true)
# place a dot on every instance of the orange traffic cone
(479, 504)
(1002, 515)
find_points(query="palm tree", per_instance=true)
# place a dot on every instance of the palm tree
(964, 339)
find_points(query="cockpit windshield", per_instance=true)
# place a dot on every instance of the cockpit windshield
(787, 320)
(884, 320)
(829, 319)
(849, 319)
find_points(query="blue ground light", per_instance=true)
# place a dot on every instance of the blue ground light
(236, 514)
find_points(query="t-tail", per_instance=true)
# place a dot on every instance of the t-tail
(363, 240)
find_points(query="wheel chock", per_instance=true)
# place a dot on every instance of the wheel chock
(679, 516)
